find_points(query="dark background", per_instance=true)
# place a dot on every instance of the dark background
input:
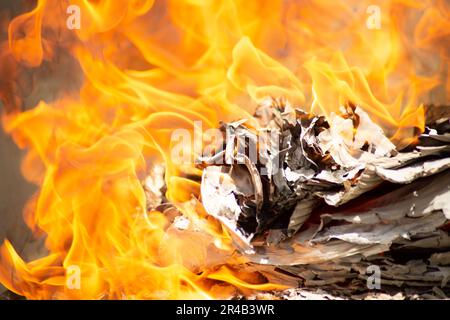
(14, 190)
(42, 83)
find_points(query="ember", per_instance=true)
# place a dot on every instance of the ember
(221, 149)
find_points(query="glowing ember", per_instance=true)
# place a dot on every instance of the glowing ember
(150, 68)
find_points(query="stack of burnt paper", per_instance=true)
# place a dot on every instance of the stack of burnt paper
(335, 191)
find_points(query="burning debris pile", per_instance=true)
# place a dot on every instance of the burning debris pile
(102, 95)
(333, 194)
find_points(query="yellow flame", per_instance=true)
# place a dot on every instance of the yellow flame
(152, 67)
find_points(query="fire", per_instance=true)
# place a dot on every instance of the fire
(149, 68)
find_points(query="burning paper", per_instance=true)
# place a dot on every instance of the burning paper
(99, 95)
(323, 164)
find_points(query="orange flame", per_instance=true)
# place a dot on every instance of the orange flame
(152, 67)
